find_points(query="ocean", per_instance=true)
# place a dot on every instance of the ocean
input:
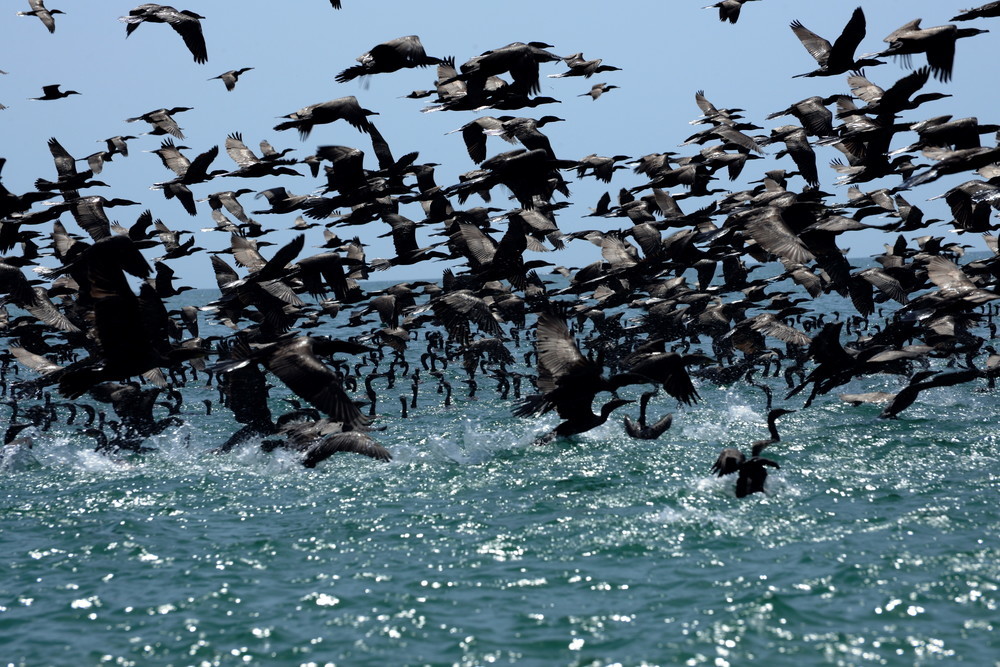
(877, 542)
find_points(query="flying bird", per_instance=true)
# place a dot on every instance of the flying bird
(185, 23)
(44, 15)
(231, 77)
(836, 58)
(391, 56)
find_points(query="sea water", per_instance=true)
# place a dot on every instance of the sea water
(875, 544)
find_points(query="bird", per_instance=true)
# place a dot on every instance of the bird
(752, 471)
(937, 43)
(296, 362)
(162, 121)
(597, 90)
(185, 23)
(923, 381)
(579, 66)
(729, 10)
(836, 58)
(44, 15)
(396, 54)
(52, 92)
(989, 10)
(231, 77)
(642, 430)
(343, 108)
(567, 381)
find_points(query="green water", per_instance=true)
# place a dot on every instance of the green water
(877, 544)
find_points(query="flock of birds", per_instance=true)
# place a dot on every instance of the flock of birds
(654, 312)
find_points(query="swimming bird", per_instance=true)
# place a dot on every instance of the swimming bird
(185, 23)
(752, 471)
(642, 430)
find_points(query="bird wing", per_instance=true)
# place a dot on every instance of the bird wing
(851, 36)
(189, 28)
(351, 441)
(295, 364)
(817, 47)
(238, 151)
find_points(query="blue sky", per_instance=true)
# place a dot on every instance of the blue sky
(667, 51)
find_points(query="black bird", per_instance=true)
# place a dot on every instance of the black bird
(396, 54)
(836, 58)
(752, 471)
(342, 108)
(44, 15)
(937, 43)
(162, 121)
(52, 92)
(729, 10)
(921, 382)
(989, 10)
(185, 23)
(567, 381)
(296, 362)
(231, 77)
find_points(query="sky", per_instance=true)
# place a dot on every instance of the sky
(666, 50)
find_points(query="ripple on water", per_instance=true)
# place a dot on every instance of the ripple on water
(872, 546)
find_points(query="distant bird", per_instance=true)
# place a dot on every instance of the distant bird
(989, 10)
(836, 58)
(597, 90)
(578, 66)
(39, 11)
(396, 54)
(52, 92)
(185, 23)
(342, 108)
(729, 10)
(231, 77)
(162, 121)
